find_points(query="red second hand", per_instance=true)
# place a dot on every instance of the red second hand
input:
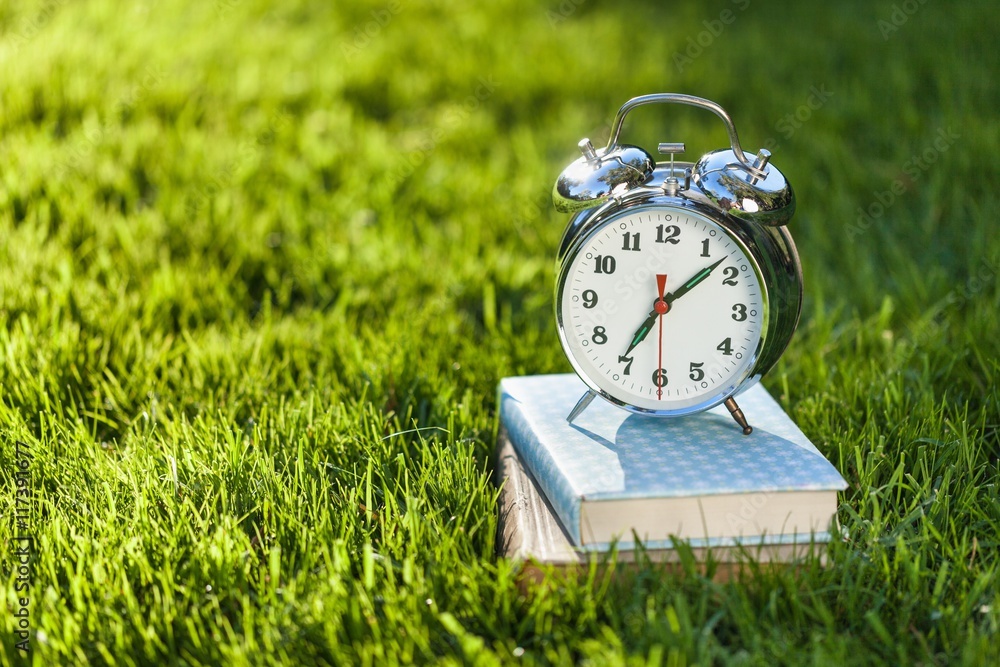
(660, 307)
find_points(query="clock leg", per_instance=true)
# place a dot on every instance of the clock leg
(737, 414)
(580, 406)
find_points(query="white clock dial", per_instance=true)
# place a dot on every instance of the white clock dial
(661, 310)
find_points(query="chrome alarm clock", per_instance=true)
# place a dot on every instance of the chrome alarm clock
(678, 285)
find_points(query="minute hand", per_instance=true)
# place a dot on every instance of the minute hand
(690, 284)
(647, 325)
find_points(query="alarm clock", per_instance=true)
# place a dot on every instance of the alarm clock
(678, 285)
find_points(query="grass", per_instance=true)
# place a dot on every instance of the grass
(262, 266)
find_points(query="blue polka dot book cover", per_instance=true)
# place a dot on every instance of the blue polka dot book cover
(609, 476)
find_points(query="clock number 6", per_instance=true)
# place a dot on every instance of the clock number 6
(660, 377)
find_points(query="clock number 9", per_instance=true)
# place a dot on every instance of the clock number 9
(600, 336)
(589, 298)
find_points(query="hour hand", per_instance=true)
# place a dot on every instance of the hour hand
(660, 305)
(642, 331)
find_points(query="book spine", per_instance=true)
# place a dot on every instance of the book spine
(539, 462)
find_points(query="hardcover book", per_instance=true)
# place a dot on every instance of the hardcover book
(612, 475)
(529, 532)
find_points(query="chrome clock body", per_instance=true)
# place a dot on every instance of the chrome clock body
(701, 246)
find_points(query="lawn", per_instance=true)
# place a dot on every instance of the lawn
(263, 264)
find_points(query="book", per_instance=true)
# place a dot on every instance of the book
(530, 533)
(611, 476)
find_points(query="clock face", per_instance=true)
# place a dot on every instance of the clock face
(662, 310)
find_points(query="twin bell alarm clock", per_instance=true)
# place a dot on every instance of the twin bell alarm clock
(678, 285)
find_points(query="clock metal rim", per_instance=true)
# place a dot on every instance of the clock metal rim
(742, 381)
